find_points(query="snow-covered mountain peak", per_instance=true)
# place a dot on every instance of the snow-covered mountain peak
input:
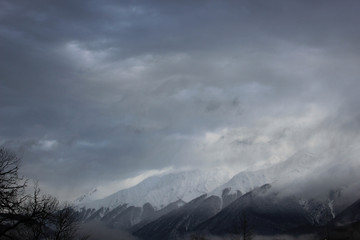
(161, 190)
(294, 167)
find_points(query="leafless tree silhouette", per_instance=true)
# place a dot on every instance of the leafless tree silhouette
(30, 216)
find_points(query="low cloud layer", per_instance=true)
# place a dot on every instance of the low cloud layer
(96, 92)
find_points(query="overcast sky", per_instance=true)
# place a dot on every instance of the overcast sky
(102, 92)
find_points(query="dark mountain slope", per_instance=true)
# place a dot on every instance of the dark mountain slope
(349, 215)
(263, 212)
(180, 221)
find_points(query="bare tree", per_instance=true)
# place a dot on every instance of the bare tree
(11, 184)
(35, 216)
(38, 212)
(12, 188)
(65, 222)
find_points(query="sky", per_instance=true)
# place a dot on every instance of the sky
(106, 93)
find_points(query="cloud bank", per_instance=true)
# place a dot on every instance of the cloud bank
(93, 93)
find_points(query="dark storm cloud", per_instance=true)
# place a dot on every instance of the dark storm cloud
(96, 91)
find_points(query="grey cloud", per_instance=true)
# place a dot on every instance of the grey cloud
(127, 87)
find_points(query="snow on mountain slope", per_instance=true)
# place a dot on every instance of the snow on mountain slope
(159, 191)
(296, 166)
(87, 197)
